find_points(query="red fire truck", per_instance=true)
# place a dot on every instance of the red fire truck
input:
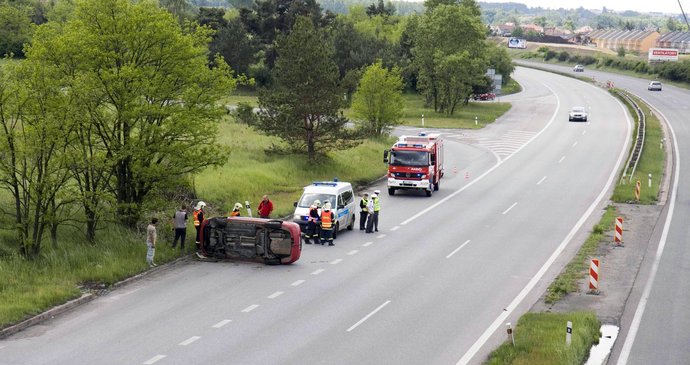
(415, 162)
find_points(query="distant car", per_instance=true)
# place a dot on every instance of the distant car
(579, 68)
(654, 86)
(256, 239)
(577, 113)
(484, 96)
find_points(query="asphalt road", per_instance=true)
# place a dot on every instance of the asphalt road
(654, 327)
(435, 285)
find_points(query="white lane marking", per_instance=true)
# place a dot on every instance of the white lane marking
(458, 249)
(509, 208)
(353, 252)
(584, 132)
(641, 306)
(561, 160)
(542, 180)
(222, 323)
(275, 295)
(395, 228)
(368, 315)
(336, 261)
(381, 235)
(367, 244)
(499, 162)
(154, 359)
(189, 340)
(317, 272)
(539, 275)
(298, 283)
(250, 308)
(574, 144)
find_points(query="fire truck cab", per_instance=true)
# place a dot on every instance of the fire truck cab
(415, 162)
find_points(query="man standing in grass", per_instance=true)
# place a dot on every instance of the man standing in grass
(180, 226)
(151, 242)
(265, 207)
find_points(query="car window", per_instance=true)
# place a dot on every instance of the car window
(348, 197)
(578, 110)
(308, 199)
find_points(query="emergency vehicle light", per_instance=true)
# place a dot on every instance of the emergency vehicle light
(324, 183)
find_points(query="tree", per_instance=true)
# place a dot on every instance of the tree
(459, 72)
(150, 101)
(303, 106)
(15, 29)
(379, 99)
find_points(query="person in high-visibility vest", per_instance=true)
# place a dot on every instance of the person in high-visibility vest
(312, 223)
(327, 223)
(363, 211)
(236, 210)
(377, 208)
(198, 219)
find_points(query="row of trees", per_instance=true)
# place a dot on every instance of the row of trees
(108, 109)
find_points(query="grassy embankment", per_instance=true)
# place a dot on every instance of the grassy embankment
(539, 336)
(28, 287)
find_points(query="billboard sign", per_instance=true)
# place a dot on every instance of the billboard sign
(663, 54)
(517, 43)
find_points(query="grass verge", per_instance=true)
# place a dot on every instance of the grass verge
(540, 339)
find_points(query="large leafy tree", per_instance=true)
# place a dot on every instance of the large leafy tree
(148, 97)
(15, 28)
(303, 106)
(379, 99)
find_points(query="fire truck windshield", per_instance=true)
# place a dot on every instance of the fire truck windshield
(410, 158)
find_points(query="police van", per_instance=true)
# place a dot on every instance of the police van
(338, 194)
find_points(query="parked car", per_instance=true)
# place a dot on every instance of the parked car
(485, 96)
(654, 86)
(245, 238)
(579, 68)
(577, 113)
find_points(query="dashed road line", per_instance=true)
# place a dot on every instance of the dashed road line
(367, 244)
(222, 323)
(574, 144)
(353, 252)
(189, 341)
(368, 316)
(317, 272)
(275, 295)
(509, 208)
(298, 283)
(561, 160)
(541, 181)
(395, 228)
(381, 235)
(154, 359)
(458, 249)
(336, 261)
(250, 308)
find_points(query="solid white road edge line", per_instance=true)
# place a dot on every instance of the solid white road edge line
(154, 359)
(189, 341)
(641, 306)
(498, 322)
(542, 180)
(368, 315)
(509, 208)
(494, 167)
(458, 249)
(222, 323)
(275, 295)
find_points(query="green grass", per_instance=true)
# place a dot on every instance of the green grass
(540, 339)
(566, 281)
(651, 161)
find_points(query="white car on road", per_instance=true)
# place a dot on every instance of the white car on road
(577, 113)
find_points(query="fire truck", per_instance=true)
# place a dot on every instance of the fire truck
(415, 162)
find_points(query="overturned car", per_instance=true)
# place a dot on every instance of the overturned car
(272, 241)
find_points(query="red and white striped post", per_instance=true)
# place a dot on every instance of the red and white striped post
(637, 190)
(618, 234)
(594, 277)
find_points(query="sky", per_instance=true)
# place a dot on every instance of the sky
(643, 6)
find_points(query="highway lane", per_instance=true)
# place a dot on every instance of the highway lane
(429, 288)
(654, 327)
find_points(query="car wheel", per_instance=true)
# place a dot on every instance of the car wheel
(352, 224)
(428, 192)
(437, 185)
(335, 231)
(391, 191)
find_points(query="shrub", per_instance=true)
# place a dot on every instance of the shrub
(563, 56)
(549, 55)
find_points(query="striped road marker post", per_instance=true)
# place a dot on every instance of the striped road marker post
(618, 234)
(594, 277)
(637, 191)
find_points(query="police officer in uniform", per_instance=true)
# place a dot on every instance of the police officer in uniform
(377, 208)
(363, 212)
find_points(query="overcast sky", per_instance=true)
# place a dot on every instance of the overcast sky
(663, 6)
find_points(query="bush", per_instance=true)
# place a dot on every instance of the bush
(563, 56)
(588, 60)
(549, 55)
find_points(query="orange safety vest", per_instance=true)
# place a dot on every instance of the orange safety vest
(326, 221)
(196, 218)
(234, 213)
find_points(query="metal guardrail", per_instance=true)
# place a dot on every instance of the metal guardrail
(634, 157)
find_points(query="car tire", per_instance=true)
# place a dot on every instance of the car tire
(335, 231)
(352, 224)
(429, 192)
(437, 186)
(391, 191)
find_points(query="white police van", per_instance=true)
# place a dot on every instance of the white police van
(338, 194)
